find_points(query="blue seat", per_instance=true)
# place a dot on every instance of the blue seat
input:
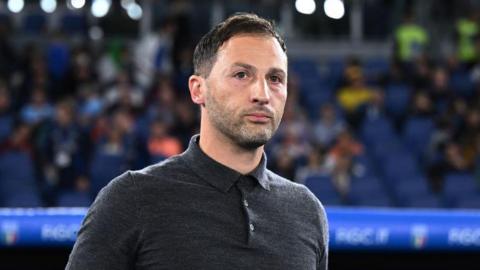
(375, 200)
(34, 23)
(74, 23)
(472, 202)
(336, 67)
(424, 201)
(377, 129)
(417, 133)
(323, 188)
(363, 166)
(17, 179)
(397, 99)
(25, 198)
(459, 186)
(415, 192)
(461, 83)
(18, 187)
(6, 124)
(398, 166)
(104, 167)
(363, 188)
(383, 148)
(304, 67)
(315, 97)
(374, 68)
(73, 199)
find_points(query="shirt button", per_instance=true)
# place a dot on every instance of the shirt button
(245, 202)
(252, 228)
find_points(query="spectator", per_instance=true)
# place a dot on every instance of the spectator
(315, 166)
(339, 160)
(124, 94)
(354, 97)
(161, 144)
(411, 40)
(328, 126)
(65, 148)
(439, 89)
(452, 160)
(422, 105)
(153, 53)
(466, 30)
(39, 109)
(6, 113)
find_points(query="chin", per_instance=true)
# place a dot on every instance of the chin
(254, 141)
(252, 144)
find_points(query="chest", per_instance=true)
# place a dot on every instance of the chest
(225, 231)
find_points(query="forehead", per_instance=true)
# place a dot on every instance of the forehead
(257, 50)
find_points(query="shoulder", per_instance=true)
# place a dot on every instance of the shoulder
(171, 165)
(298, 192)
(283, 184)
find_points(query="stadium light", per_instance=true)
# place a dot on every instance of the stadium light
(15, 6)
(100, 8)
(305, 6)
(334, 9)
(48, 6)
(75, 4)
(126, 3)
(134, 11)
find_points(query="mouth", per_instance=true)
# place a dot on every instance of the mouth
(259, 117)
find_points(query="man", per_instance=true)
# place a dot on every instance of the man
(215, 206)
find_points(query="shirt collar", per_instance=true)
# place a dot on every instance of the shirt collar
(217, 174)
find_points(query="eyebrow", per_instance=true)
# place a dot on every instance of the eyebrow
(272, 70)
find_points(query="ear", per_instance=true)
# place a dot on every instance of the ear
(196, 85)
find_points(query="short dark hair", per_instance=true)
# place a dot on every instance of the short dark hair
(240, 23)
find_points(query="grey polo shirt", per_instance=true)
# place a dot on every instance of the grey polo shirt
(191, 212)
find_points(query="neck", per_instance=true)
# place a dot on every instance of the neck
(223, 150)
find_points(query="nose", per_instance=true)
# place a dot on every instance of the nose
(260, 92)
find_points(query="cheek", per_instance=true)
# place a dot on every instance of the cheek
(279, 99)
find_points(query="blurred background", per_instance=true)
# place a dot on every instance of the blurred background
(383, 107)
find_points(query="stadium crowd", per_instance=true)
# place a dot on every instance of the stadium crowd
(74, 116)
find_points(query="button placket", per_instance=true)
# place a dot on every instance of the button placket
(245, 202)
(245, 187)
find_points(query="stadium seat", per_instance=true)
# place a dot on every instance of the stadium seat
(397, 99)
(398, 166)
(26, 198)
(461, 83)
(373, 68)
(323, 188)
(417, 133)
(377, 129)
(363, 188)
(73, 199)
(34, 23)
(469, 203)
(460, 186)
(18, 186)
(105, 167)
(74, 23)
(415, 192)
(385, 147)
(6, 123)
(304, 67)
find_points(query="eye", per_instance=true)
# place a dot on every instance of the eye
(241, 75)
(276, 79)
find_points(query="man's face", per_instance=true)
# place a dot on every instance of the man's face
(246, 90)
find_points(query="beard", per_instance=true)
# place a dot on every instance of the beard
(245, 134)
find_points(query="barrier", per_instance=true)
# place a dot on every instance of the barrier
(350, 228)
